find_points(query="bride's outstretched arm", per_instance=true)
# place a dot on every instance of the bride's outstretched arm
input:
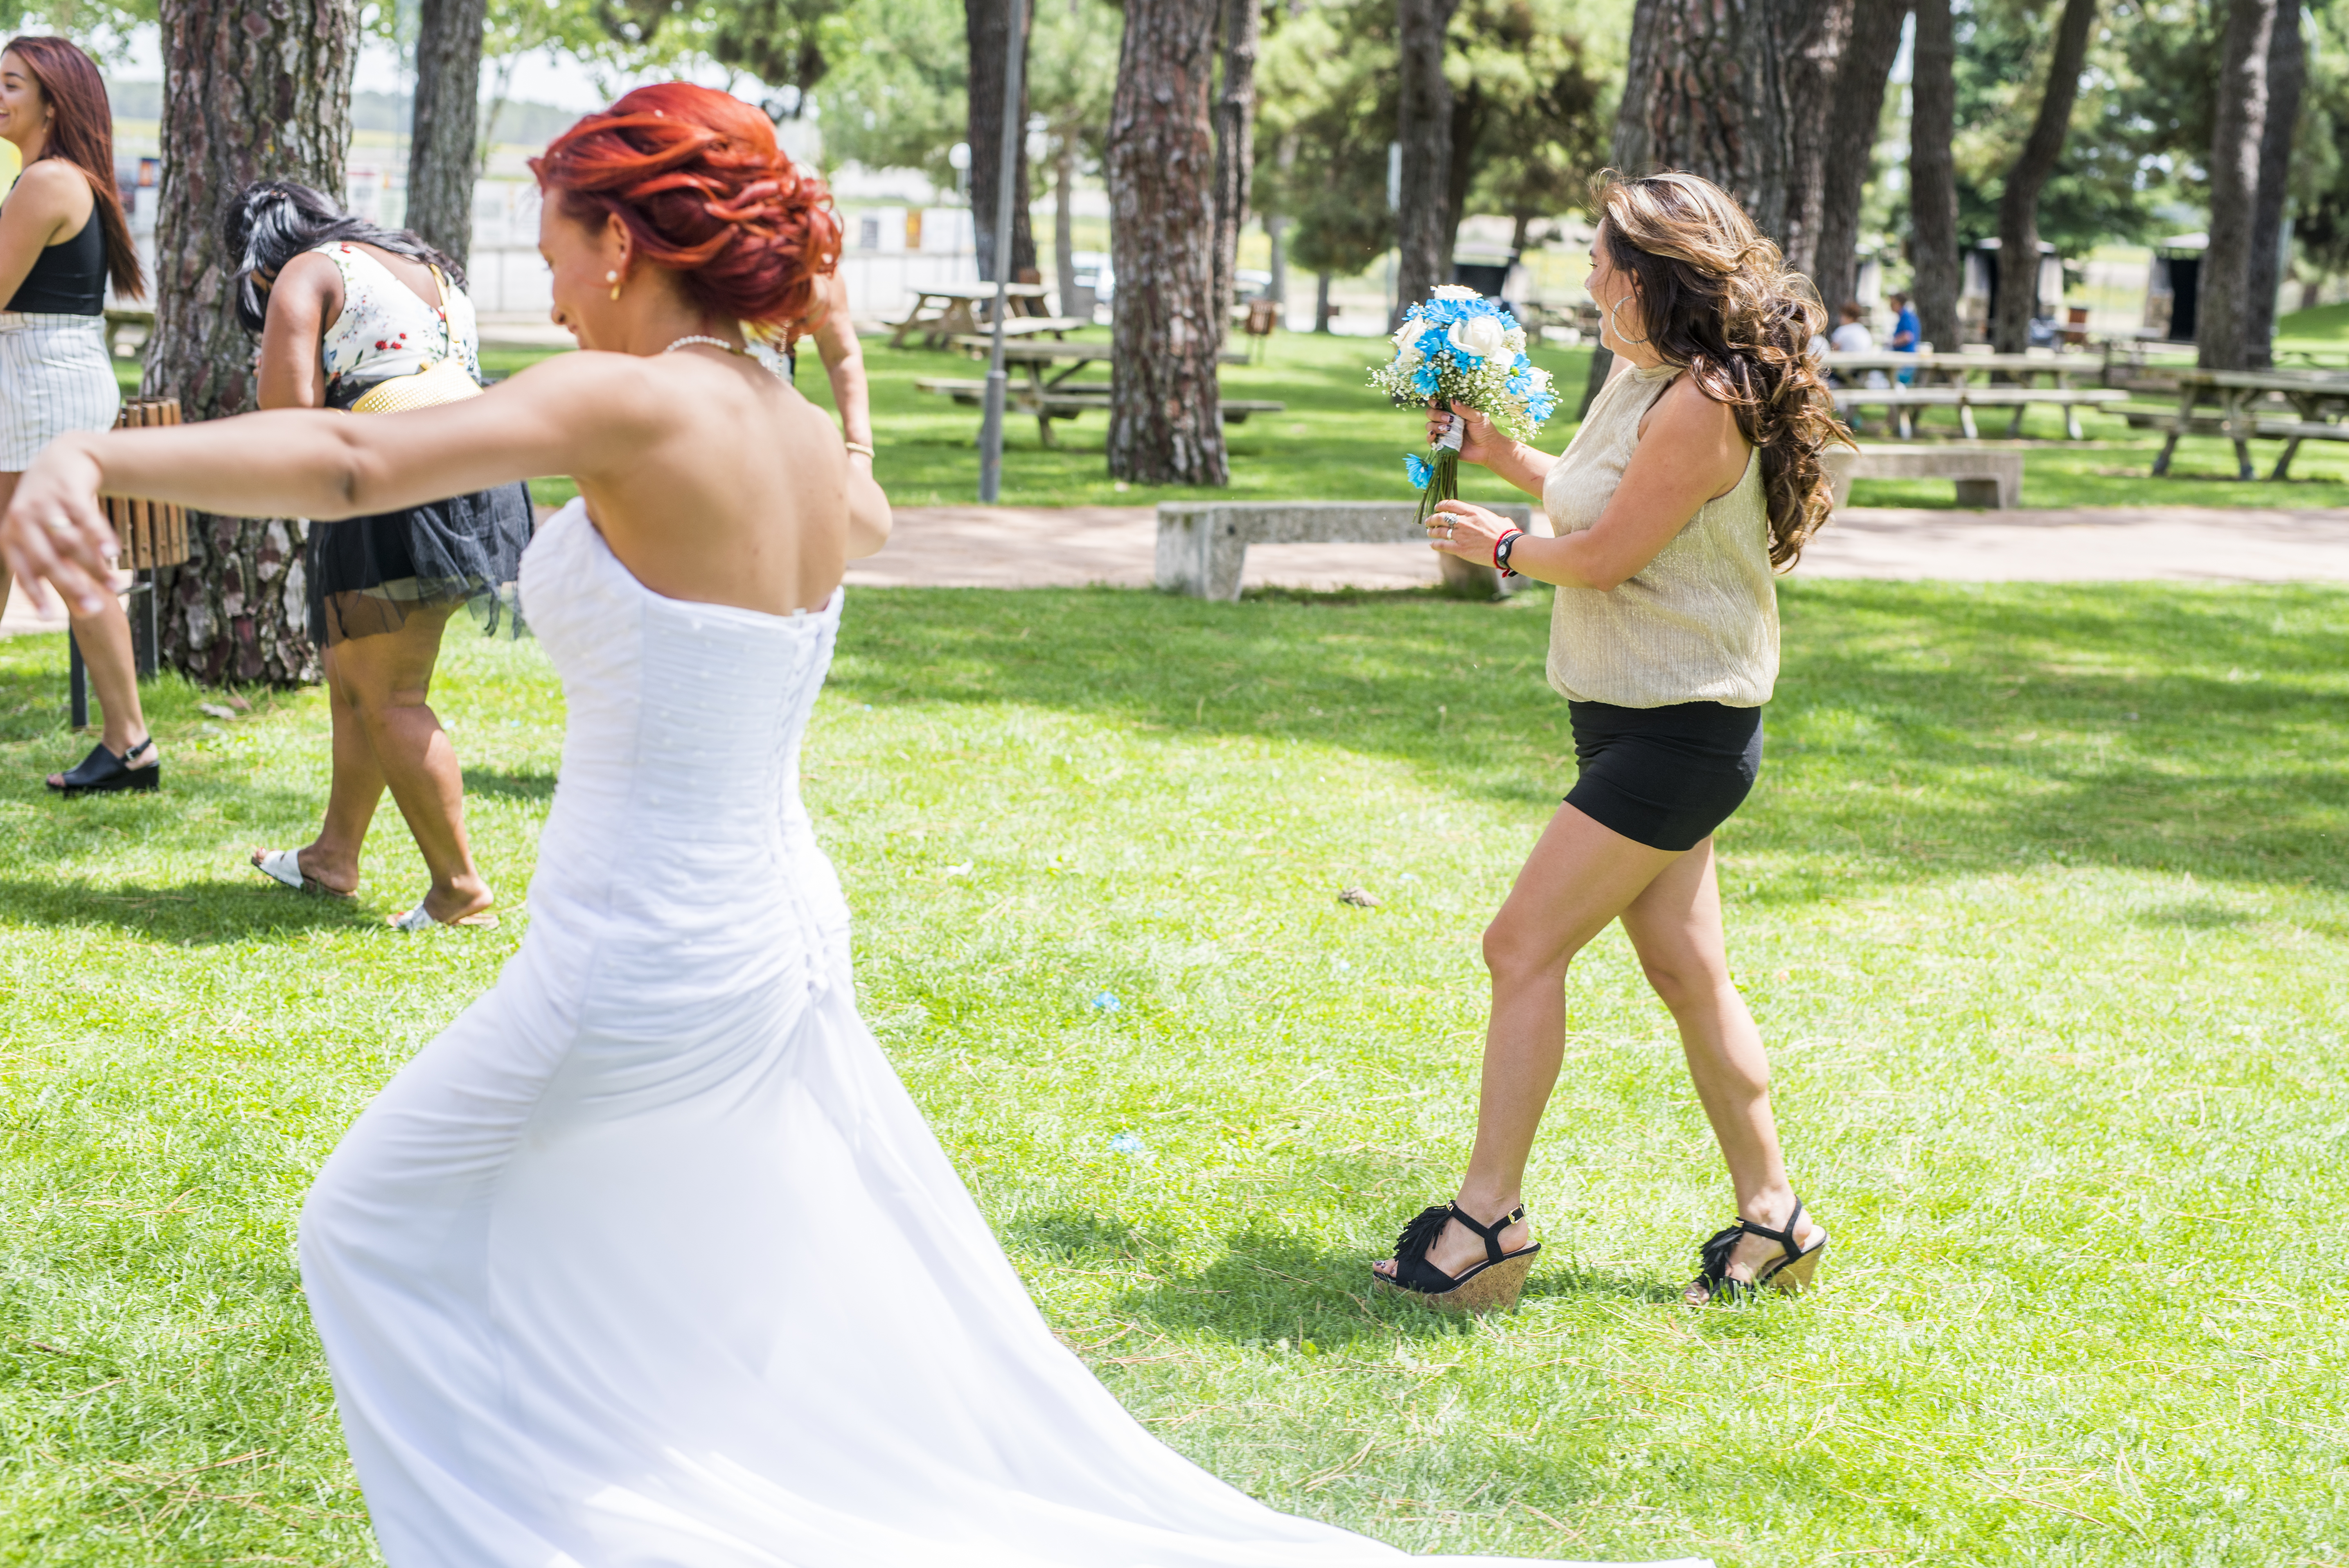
(575, 414)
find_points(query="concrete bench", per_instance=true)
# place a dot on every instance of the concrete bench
(1984, 477)
(1202, 545)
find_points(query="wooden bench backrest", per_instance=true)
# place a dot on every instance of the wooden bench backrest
(153, 533)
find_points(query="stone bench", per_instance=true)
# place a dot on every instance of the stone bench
(1984, 477)
(1202, 545)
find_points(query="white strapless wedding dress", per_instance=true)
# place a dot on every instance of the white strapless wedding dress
(648, 1261)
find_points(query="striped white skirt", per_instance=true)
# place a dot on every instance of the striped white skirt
(55, 376)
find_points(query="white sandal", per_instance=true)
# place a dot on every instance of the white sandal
(285, 866)
(420, 919)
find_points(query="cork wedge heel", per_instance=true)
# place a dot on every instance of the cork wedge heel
(1790, 1272)
(1492, 1286)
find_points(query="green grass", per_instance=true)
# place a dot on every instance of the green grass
(2043, 905)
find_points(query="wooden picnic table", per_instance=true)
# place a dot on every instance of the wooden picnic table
(943, 311)
(1952, 380)
(2318, 400)
(1059, 396)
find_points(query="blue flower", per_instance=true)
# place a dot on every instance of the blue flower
(1426, 378)
(1417, 469)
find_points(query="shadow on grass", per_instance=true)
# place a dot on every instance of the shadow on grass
(1918, 728)
(194, 913)
(509, 786)
(1268, 1286)
(2195, 916)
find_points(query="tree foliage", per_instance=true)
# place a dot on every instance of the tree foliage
(1532, 84)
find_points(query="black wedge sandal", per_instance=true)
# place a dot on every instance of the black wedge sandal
(102, 772)
(1489, 1287)
(1790, 1271)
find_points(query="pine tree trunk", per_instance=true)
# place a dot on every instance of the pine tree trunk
(2287, 75)
(1737, 91)
(2221, 319)
(1819, 35)
(1932, 175)
(1234, 148)
(1064, 219)
(989, 23)
(2018, 204)
(1321, 311)
(1857, 112)
(254, 89)
(1166, 422)
(1424, 127)
(441, 148)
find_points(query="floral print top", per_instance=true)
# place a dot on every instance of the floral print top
(386, 330)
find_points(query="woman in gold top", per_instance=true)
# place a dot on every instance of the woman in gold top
(1696, 473)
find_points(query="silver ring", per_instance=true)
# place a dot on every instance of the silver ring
(58, 524)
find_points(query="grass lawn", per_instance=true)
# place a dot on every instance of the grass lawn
(2043, 904)
(1338, 442)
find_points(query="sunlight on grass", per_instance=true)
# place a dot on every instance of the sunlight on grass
(2041, 903)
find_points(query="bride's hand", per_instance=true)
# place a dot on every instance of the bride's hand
(55, 533)
(1483, 442)
(1468, 532)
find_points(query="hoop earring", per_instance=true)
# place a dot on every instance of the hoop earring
(614, 279)
(1612, 326)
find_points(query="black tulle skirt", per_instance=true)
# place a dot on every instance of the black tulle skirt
(369, 574)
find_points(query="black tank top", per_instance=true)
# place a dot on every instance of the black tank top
(68, 278)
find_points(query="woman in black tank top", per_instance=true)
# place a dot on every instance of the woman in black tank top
(62, 237)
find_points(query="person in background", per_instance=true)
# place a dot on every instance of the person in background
(1907, 334)
(62, 237)
(1852, 337)
(365, 319)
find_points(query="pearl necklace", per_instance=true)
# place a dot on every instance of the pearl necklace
(702, 337)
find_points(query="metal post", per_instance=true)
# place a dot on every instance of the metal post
(146, 631)
(1007, 184)
(76, 683)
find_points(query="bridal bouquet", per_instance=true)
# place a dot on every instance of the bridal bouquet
(1463, 348)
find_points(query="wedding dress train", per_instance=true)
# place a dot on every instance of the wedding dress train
(649, 1261)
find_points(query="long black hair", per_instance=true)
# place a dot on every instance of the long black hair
(274, 221)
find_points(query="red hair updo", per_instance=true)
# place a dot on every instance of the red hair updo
(704, 190)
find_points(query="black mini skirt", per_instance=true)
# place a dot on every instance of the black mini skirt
(1665, 777)
(369, 574)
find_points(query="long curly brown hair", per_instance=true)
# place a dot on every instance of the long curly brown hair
(1717, 299)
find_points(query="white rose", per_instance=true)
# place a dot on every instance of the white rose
(1456, 291)
(1481, 335)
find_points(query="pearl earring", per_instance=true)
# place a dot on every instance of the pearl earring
(614, 279)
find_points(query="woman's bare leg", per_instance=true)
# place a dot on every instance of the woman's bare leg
(105, 642)
(386, 681)
(1675, 927)
(331, 858)
(1580, 876)
(104, 639)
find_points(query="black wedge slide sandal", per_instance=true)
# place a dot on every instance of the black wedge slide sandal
(102, 772)
(1488, 1286)
(1789, 1272)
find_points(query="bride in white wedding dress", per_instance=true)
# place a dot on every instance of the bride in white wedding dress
(648, 1261)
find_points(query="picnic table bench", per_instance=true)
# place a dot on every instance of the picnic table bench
(1902, 403)
(943, 311)
(1942, 372)
(2315, 401)
(1061, 396)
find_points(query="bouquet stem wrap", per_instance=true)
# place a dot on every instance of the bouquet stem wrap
(1461, 348)
(1443, 465)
